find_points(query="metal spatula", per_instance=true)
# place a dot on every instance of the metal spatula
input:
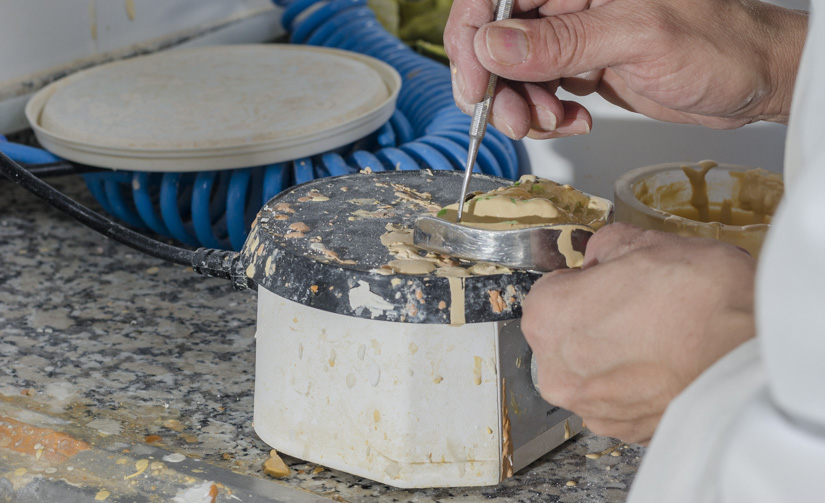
(544, 248)
(538, 248)
(481, 114)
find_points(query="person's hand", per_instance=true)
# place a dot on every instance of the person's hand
(648, 312)
(720, 63)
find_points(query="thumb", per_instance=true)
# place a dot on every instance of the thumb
(620, 238)
(549, 48)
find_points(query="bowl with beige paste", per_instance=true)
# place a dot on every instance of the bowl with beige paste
(728, 202)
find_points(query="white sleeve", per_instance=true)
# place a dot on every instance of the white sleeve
(724, 440)
(771, 457)
(776, 451)
(684, 459)
(751, 428)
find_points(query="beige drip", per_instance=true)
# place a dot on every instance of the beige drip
(760, 192)
(506, 440)
(753, 201)
(572, 257)
(456, 301)
(699, 188)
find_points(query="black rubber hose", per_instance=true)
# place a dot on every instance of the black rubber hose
(60, 169)
(210, 262)
(21, 176)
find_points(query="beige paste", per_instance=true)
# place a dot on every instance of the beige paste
(754, 198)
(529, 202)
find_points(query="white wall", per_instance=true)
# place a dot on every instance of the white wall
(622, 140)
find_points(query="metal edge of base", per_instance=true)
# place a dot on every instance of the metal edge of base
(547, 441)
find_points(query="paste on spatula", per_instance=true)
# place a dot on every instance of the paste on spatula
(529, 202)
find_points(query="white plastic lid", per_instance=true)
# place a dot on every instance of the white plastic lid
(214, 107)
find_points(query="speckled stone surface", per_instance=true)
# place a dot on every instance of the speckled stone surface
(102, 338)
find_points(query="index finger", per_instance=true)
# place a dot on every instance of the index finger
(468, 76)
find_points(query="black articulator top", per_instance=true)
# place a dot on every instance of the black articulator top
(319, 244)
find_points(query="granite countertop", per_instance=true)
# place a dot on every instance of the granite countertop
(133, 381)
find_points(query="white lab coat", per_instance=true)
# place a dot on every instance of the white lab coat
(752, 427)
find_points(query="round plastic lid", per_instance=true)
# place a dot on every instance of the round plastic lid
(214, 107)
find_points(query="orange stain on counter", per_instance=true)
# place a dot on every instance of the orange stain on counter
(53, 446)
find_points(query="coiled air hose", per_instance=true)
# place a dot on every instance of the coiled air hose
(214, 209)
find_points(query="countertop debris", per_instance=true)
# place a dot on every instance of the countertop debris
(275, 466)
(130, 379)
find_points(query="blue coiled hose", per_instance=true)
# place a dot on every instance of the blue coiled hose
(215, 209)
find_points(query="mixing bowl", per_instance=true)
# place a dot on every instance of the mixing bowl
(727, 202)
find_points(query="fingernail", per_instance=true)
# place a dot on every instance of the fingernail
(545, 119)
(578, 126)
(458, 81)
(507, 46)
(504, 127)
